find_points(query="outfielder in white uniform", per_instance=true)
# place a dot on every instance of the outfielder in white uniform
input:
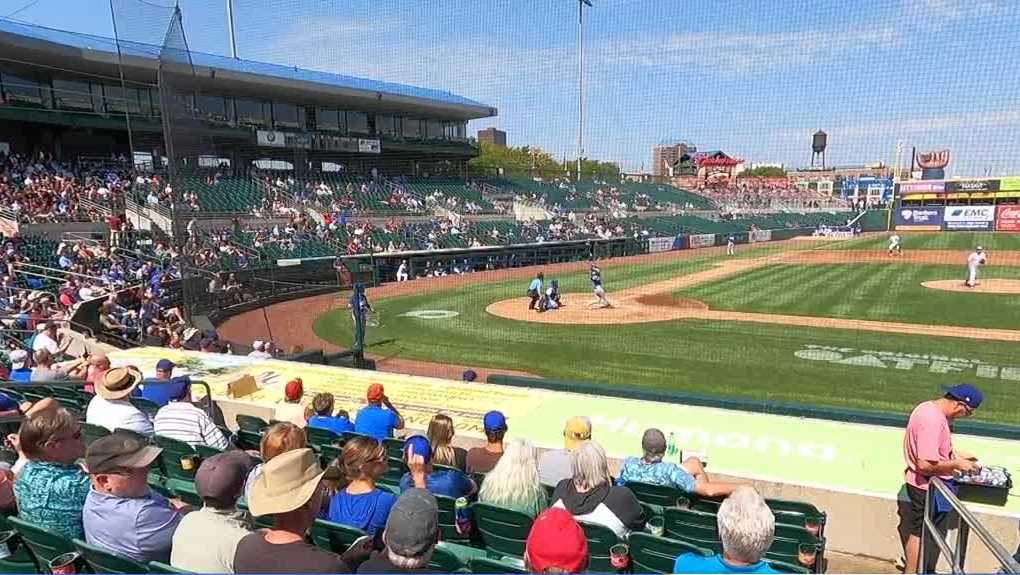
(975, 259)
(731, 243)
(402, 275)
(894, 245)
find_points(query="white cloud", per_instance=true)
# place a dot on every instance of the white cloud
(952, 9)
(740, 53)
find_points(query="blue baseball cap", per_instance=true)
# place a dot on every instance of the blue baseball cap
(418, 445)
(966, 393)
(164, 365)
(494, 421)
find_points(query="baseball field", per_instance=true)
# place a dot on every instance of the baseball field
(823, 322)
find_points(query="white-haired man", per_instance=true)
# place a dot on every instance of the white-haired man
(746, 528)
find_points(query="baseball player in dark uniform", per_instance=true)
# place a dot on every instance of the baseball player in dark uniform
(595, 274)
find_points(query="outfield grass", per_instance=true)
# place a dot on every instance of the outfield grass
(963, 241)
(751, 361)
(887, 291)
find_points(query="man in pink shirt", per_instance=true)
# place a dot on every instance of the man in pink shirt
(928, 452)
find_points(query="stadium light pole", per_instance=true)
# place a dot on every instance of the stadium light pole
(580, 82)
(230, 29)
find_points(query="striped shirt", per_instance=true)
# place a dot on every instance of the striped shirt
(183, 421)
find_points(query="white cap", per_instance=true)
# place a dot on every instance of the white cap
(257, 344)
(18, 358)
(979, 248)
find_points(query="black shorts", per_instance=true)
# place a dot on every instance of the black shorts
(917, 500)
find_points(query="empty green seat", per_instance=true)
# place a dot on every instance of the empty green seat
(695, 527)
(44, 544)
(103, 561)
(503, 531)
(20, 559)
(175, 458)
(330, 453)
(205, 451)
(334, 537)
(651, 554)
(147, 407)
(658, 495)
(486, 565)
(784, 567)
(395, 470)
(250, 423)
(318, 437)
(394, 447)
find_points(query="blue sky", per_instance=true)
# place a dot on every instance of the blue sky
(755, 79)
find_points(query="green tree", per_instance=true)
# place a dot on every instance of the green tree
(527, 161)
(764, 172)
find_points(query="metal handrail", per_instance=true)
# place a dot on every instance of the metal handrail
(930, 533)
(77, 326)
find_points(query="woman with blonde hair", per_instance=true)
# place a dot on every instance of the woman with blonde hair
(591, 496)
(359, 503)
(279, 438)
(514, 483)
(440, 436)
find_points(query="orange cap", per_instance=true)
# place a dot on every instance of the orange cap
(294, 390)
(375, 392)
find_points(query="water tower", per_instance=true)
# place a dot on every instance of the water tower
(818, 142)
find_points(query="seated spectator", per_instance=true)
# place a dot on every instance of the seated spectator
(110, 408)
(99, 364)
(289, 490)
(374, 420)
(121, 513)
(746, 528)
(279, 438)
(440, 436)
(556, 465)
(591, 496)
(161, 388)
(448, 482)
(689, 477)
(513, 483)
(360, 503)
(322, 405)
(484, 459)
(411, 534)
(294, 391)
(259, 350)
(44, 369)
(556, 544)
(51, 340)
(181, 420)
(206, 540)
(21, 369)
(51, 489)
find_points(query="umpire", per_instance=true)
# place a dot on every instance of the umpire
(535, 290)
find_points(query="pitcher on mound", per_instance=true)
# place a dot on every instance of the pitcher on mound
(975, 259)
(596, 285)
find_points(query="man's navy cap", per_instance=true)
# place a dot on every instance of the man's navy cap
(970, 395)
(164, 365)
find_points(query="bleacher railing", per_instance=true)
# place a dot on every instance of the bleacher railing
(934, 540)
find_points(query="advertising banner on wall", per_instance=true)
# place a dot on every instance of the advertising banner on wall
(369, 146)
(702, 240)
(909, 188)
(1009, 184)
(1007, 218)
(972, 186)
(656, 245)
(921, 219)
(755, 236)
(968, 218)
(271, 138)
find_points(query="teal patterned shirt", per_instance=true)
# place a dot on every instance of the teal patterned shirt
(658, 473)
(52, 495)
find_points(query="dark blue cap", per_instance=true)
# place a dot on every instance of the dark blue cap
(418, 445)
(494, 421)
(164, 365)
(966, 393)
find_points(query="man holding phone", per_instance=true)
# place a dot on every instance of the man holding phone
(928, 452)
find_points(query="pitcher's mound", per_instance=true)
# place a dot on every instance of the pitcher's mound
(1002, 286)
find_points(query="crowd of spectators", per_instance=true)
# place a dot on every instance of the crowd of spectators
(39, 189)
(101, 494)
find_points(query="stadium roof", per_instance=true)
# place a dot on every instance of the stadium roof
(91, 46)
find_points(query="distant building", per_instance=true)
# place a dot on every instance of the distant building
(492, 136)
(664, 156)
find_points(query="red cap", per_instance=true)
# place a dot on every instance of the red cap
(294, 390)
(375, 392)
(556, 541)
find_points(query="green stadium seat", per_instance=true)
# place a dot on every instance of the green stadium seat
(349, 435)
(44, 544)
(318, 437)
(600, 540)
(784, 567)
(102, 561)
(394, 447)
(502, 531)
(651, 554)
(330, 453)
(157, 567)
(147, 407)
(205, 451)
(395, 470)
(448, 519)
(485, 565)
(657, 495)
(90, 432)
(172, 460)
(695, 527)
(250, 423)
(187, 493)
(449, 557)
(334, 536)
(21, 559)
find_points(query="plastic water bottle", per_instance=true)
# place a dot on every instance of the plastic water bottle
(672, 449)
(463, 516)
